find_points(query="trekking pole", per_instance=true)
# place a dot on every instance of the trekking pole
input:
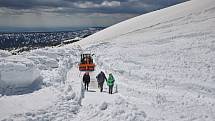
(116, 89)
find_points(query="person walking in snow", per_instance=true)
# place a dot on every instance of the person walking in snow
(100, 79)
(86, 80)
(110, 83)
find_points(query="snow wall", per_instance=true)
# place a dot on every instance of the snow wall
(18, 76)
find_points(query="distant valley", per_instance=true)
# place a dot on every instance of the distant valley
(17, 42)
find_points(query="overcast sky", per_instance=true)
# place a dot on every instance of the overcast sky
(74, 13)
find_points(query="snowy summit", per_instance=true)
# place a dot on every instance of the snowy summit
(163, 63)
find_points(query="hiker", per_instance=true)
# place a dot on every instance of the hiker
(86, 80)
(110, 83)
(100, 79)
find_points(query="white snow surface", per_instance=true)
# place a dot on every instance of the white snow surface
(4, 53)
(163, 63)
(18, 75)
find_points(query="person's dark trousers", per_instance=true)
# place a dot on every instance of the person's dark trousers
(101, 87)
(111, 89)
(86, 85)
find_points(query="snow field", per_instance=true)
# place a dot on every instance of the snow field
(165, 66)
(163, 63)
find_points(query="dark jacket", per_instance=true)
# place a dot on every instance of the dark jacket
(101, 77)
(86, 78)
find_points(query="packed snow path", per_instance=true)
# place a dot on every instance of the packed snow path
(97, 105)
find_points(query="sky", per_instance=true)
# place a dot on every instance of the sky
(74, 13)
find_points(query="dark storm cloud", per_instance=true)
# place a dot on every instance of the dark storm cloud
(29, 4)
(90, 6)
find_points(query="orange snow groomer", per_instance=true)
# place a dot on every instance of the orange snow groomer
(86, 63)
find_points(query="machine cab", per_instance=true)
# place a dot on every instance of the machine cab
(86, 63)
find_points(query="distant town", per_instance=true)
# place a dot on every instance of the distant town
(23, 41)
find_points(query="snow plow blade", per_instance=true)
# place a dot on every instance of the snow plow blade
(86, 67)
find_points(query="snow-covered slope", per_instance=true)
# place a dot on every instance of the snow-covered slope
(163, 62)
(181, 12)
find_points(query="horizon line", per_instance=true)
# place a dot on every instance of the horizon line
(4, 29)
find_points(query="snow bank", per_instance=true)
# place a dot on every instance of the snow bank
(18, 76)
(4, 53)
(54, 63)
(56, 97)
(26, 104)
